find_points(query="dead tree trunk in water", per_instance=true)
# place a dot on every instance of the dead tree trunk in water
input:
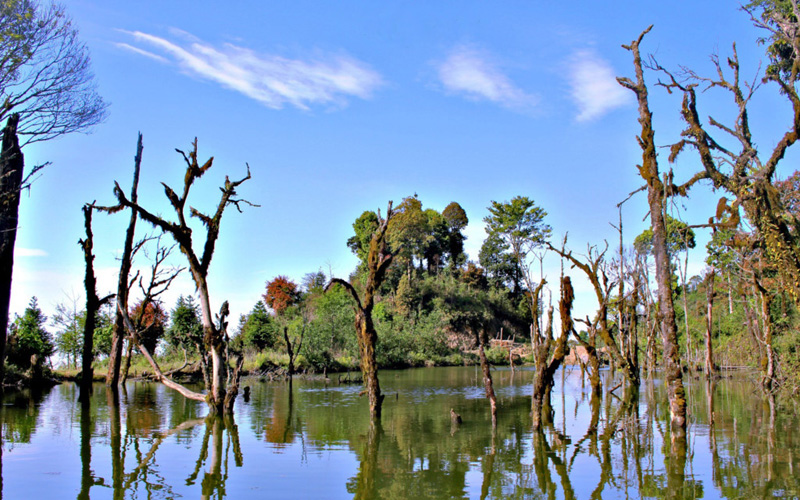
(594, 269)
(590, 346)
(379, 258)
(487, 376)
(657, 191)
(118, 333)
(93, 304)
(555, 350)
(11, 165)
(221, 396)
(710, 370)
(765, 337)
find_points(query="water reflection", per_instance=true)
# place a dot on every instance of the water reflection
(315, 440)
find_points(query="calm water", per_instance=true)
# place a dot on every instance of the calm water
(316, 441)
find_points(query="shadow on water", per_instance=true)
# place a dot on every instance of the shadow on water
(311, 439)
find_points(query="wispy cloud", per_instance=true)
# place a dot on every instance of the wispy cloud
(472, 73)
(29, 252)
(141, 52)
(593, 86)
(272, 80)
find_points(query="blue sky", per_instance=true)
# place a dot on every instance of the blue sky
(339, 107)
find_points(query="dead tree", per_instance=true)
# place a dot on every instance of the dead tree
(482, 340)
(742, 171)
(11, 166)
(551, 352)
(93, 303)
(764, 337)
(220, 397)
(379, 258)
(710, 370)
(293, 348)
(590, 345)
(118, 332)
(657, 191)
(594, 269)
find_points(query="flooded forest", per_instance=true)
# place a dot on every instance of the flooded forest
(428, 371)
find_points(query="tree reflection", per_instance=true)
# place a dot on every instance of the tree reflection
(215, 477)
(741, 445)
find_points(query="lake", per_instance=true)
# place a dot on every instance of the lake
(316, 441)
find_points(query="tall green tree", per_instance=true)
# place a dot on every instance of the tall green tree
(680, 237)
(69, 321)
(29, 337)
(500, 264)
(519, 224)
(457, 221)
(364, 226)
(258, 330)
(185, 330)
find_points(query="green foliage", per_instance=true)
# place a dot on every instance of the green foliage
(679, 237)
(514, 228)
(720, 254)
(330, 332)
(457, 220)
(314, 282)
(45, 74)
(364, 227)
(258, 330)
(185, 330)
(28, 337)
(104, 329)
(519, 223)
(69, 337)
(773, 14)
(502, 269)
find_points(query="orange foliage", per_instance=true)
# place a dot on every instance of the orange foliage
(281, 294)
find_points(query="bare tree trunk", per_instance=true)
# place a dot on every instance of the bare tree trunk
(367, 338)
(710, 370)
(12, 164)
(487, 378)
(289, 352)
(214, 337)
(656, 194)
(379, 258)
(769, 362)
(543, 380)
(93, 304)
(118, 333)
(686, 310)
(127, 367)
(730, 294)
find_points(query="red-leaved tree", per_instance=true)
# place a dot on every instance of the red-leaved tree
(281, 294)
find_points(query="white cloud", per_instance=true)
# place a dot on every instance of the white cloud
(29, 252)
(141, 52)
(272, 80)
(470, 72)
(594, 87)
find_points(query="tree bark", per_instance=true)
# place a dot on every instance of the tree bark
(546, 368)
(12, 164)
(214, 337)
(379, 258)
(93, 304)
(487, 379)
(710, 370)
(656, 197)
(367, 338)
(118, 333)
(126, 368)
